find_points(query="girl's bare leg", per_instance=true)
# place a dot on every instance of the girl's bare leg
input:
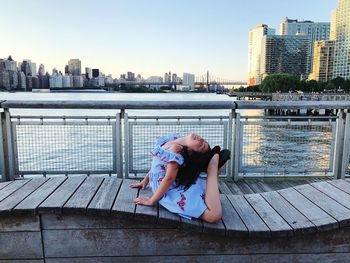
(212, 196)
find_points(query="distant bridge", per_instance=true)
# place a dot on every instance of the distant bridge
(204, 80)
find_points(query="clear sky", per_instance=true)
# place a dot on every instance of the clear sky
(148, 37)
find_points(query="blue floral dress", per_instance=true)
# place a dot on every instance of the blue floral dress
(187, 203)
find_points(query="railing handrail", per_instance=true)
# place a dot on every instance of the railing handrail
(131, 104)
(176, 105)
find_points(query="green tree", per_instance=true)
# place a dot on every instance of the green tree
(280, 82)
(330, 86)
(338, 82)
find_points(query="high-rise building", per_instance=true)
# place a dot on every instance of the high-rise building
(255, 41)
(333, 33)
(323, 61)
(56, 80)
(284, 54)
(26, 68)
(316, 32)
(74, 67)
(130, 76)
(41, 70)
(44, 80)
(10, 64)
(95, 73)
(188, 80)
(4, 76)
(35, 82)
(174, 78)
(88, 73)
(22, 85)
(78, 81)
(342, 42)
(67, 81)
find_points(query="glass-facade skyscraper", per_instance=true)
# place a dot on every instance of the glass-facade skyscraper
(342, 40)
(316, 32)
(284, 54)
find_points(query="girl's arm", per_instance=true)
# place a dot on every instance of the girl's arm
(170, 176)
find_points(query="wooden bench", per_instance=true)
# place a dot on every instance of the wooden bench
(94, 219)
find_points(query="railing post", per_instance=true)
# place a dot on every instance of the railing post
(7, 156)
(339, 144)
(346, 147)
(236, 147)
(119, 143)
(230, 143)
(4, 170)
(126, 144)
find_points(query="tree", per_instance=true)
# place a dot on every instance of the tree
(330, 86)
(280, 82)
(338, 82)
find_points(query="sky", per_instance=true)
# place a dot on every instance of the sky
(148, 37)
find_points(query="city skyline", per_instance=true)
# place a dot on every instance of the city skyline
(146, 37)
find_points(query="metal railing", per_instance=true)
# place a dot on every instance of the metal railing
(119, 144)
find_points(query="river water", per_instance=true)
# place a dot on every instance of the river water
(263, 146)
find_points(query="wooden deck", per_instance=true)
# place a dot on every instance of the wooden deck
(94, 218)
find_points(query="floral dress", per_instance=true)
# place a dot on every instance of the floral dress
(187, 203)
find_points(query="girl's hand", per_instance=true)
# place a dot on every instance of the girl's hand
(144, 201)
(141, 185)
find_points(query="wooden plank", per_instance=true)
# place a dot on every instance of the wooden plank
(53, 221)
(30, 204)
(124, 205)
(316, 215)
(265, 187)
(233, 223)
(334, 193)
(223, 188)
(235, 190)
(14, 199)
(280, 258)
(80, 200)
(217, 228)
(103, 201)
(4, 184)
(14, 186)
(277, 225)
(327, 204)
(342, 185)
(167, 218)
(25, 223)
(254, 185)
(244, 187)
(20, 245)
(250, 218)
(295, 219)
(146, 213)
(278, 185)
(55, 202)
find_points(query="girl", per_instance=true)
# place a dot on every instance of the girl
(174, 177)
